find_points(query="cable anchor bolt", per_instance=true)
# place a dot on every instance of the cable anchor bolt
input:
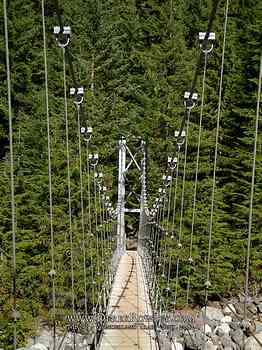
(62, 35)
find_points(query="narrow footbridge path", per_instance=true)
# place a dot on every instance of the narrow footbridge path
(129, 310)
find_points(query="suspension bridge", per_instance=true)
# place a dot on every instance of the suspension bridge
(125, 291)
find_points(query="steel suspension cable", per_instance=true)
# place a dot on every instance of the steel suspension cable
(182, 206)
(215, 158)
(69, 185)
(196, 174)
(252, 190)
(199, 62)
(216, 147)
(82, 205)
(52, 275)
(12, 185)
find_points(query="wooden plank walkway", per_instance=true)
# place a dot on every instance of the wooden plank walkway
(129, 299)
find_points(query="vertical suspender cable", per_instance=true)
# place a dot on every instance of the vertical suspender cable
(175, 195)
(167, 219)
(252, 188)
(101, 226)
(182, 205)
(196, 174)
(215, 159)
(89, 220)
(11, 172)
(96, 225)
(69, 186)
(82, 205)
(174, 216)
(173, 220)
(49, 176)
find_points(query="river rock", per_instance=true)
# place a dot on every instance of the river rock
(258, 327)
(222, 329)
(45, 338)
(38, 346)
(194, 339)
(234, 325)
(259, 308)
(207, 329)
(227, 342)
(226, 319)
(252, 308)
(177, 346)
(237, 336)
(212, 313)
(252, 344)
(229, 309)
(239, 308)
(210, 346)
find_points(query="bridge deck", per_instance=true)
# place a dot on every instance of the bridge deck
(129, 297)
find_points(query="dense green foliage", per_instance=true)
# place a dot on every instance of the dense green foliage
(140, 57)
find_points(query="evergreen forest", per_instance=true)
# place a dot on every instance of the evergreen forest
(135, 59)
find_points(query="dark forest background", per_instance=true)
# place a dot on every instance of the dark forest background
(140, 57)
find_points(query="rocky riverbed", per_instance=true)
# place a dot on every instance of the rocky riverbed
(216, 327)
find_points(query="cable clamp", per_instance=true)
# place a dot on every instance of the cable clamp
(15, 315)
(167, 180)
(190, 99)
(211, 37)
(52, 273)
(190, 260)
(93, 159)
(180, 139)
(172, 162)
(86, 132)
(207, 284)
(78, 94)
(62, 35)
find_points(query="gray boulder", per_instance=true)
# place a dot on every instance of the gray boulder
(234, 325)
(212, 313)
(258, 326)
(227, 342)
(259, 308)
(237, 336)
(194, 339)
(252, 308)
(229, 309)
(38, 346)
(222, 329)
(239, 308)
(252, 344)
